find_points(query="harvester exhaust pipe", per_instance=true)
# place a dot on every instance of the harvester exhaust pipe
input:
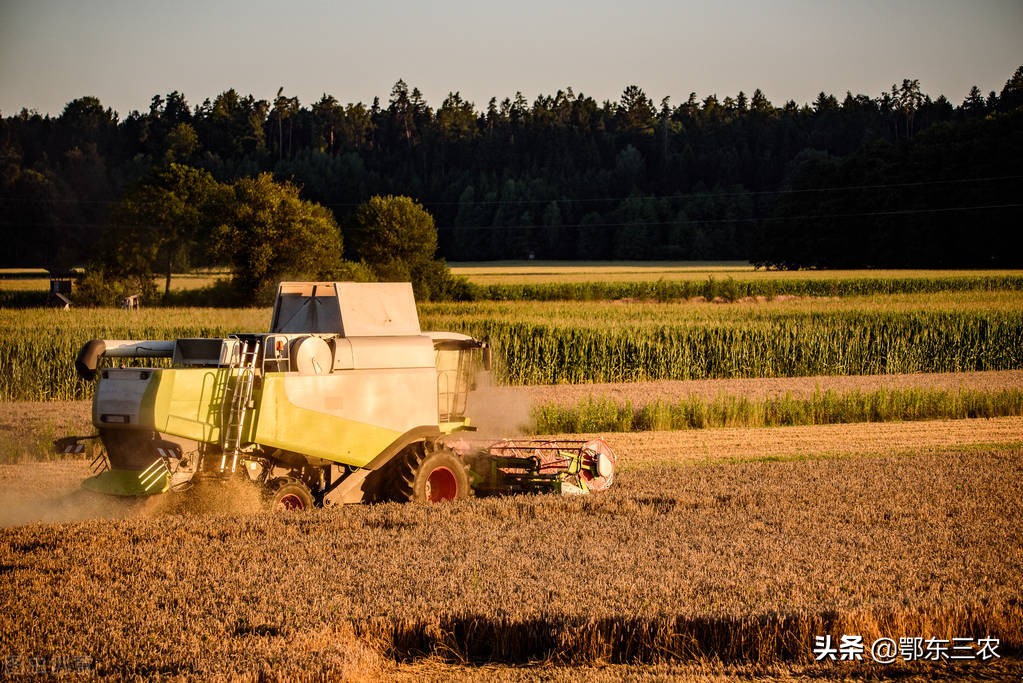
(88, 357)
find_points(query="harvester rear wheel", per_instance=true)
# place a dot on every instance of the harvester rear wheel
(440, 476)
(291, 494)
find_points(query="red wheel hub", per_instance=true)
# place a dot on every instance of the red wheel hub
(441, 485)
(290, 501)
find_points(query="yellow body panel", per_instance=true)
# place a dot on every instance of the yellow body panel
(185, 402)
(347, 417)
(284, 425)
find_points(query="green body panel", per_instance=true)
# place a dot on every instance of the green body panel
(186, 402)
(122, 483)
(282, 424)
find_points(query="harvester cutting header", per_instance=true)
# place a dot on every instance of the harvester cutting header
(345, 400)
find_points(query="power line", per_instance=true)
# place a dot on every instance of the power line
(766, 219)
(749, 193)
(570, 200)
(710, 221)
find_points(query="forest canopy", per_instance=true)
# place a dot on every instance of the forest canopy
(899, 179)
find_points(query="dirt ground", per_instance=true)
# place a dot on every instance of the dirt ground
(32, 417)
(782, 443)
(505, 411)
(48, 491)
(798, 387)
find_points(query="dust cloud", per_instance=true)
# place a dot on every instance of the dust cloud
(499, 412)
(17, 509)
(48, 492)
(212, 497)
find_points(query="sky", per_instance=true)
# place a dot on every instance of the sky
(126, 51)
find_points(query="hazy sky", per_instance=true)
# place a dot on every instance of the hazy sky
(126, 51)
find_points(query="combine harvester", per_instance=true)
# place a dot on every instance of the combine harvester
(345, 400)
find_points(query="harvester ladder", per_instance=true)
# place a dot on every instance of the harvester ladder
(243, 374)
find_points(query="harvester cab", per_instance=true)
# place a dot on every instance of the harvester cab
(344, 400)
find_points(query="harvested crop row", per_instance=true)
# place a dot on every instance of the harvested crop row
(26, 430)
(643, 449)
(742, 563)
(37, 491)
(49, 491)
(639, 393)
(830, 407)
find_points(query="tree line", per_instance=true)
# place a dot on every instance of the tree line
(181, 216)
(897, 179)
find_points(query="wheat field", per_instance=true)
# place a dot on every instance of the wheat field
(720, 553)
(688, 560)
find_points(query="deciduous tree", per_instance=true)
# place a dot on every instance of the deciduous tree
(397, 238)
(272, 234)
(159, 224)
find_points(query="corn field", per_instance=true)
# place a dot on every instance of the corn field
(731, 289)
(785, 346)
(594, 342)
(38, 346)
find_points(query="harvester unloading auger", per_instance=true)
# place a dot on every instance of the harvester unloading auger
(345, 400)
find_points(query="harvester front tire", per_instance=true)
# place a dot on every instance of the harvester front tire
(440, 477)
(291, 495)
